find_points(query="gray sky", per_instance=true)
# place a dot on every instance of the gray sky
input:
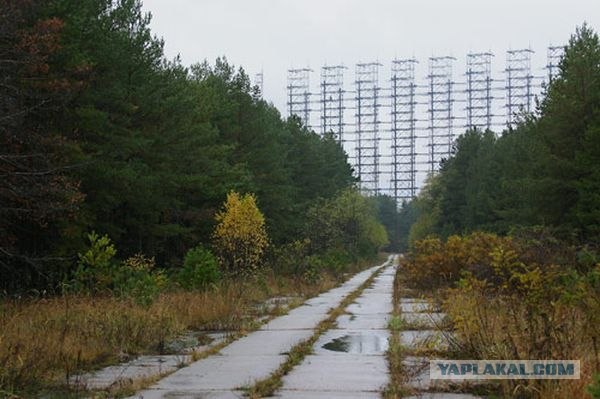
(273, 35)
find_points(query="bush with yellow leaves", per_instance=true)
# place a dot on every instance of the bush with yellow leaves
(435, 264)
(520, 297)
(240, 237)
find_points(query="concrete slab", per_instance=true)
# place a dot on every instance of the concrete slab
(219, 373)
(430, 320)
(159, 394)
(378, 290)
(142, 367)
(295, 322)
(319, 301)
(364, 322)
(424, 339)
(266, 342)
(350, 373)
(370, 306)
(326, 395)
(415, 306)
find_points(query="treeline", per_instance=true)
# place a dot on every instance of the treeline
(543, 172)
(100, 132)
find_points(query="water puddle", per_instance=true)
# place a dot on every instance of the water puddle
(338, 344)
(364, 343)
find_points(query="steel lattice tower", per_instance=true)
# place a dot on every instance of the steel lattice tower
(479, 90)
(259, 82)
(403, 130)
(519, 93)
(441, 99)
(332, 101)
(367, 126)
(299, 94)
(555, 54)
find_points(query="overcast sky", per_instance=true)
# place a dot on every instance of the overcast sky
(274, 35)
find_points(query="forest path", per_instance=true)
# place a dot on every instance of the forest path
(349, 361)
(258, 354)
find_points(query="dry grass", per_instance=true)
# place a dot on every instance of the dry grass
(43, 342)
(499, 328)
(519, 299)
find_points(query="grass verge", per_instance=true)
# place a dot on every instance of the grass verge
(44, 342)
(396, 351)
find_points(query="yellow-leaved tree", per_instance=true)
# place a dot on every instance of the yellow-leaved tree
(240, 237)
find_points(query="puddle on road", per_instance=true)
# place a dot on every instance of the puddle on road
(341, 344)
(358, 344)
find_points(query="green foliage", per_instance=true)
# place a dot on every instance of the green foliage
(348, 223)
(99, 272)
(289, 259)
(200, 269)
(391, 219)
(96, 266)
(594, 389)
(138, 278)
(544, 171)
(157, 145)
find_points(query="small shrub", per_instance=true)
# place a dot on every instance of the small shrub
(594, 389)
(437, 264)
(312, 271)
(336, 261)
(138, 279)
(290, 259)
(98, 271)
(240, 237)
(96, 267)
(200, 268)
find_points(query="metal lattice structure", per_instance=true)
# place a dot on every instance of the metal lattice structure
(519, 95)
(299, 94)
(403, 128)
(555, 54)
(332, 101)
(479, 90)
(398, 134)
(441, 99)
(259, 82)
(367, 126)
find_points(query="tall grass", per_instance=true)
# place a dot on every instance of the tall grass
(44, 341)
